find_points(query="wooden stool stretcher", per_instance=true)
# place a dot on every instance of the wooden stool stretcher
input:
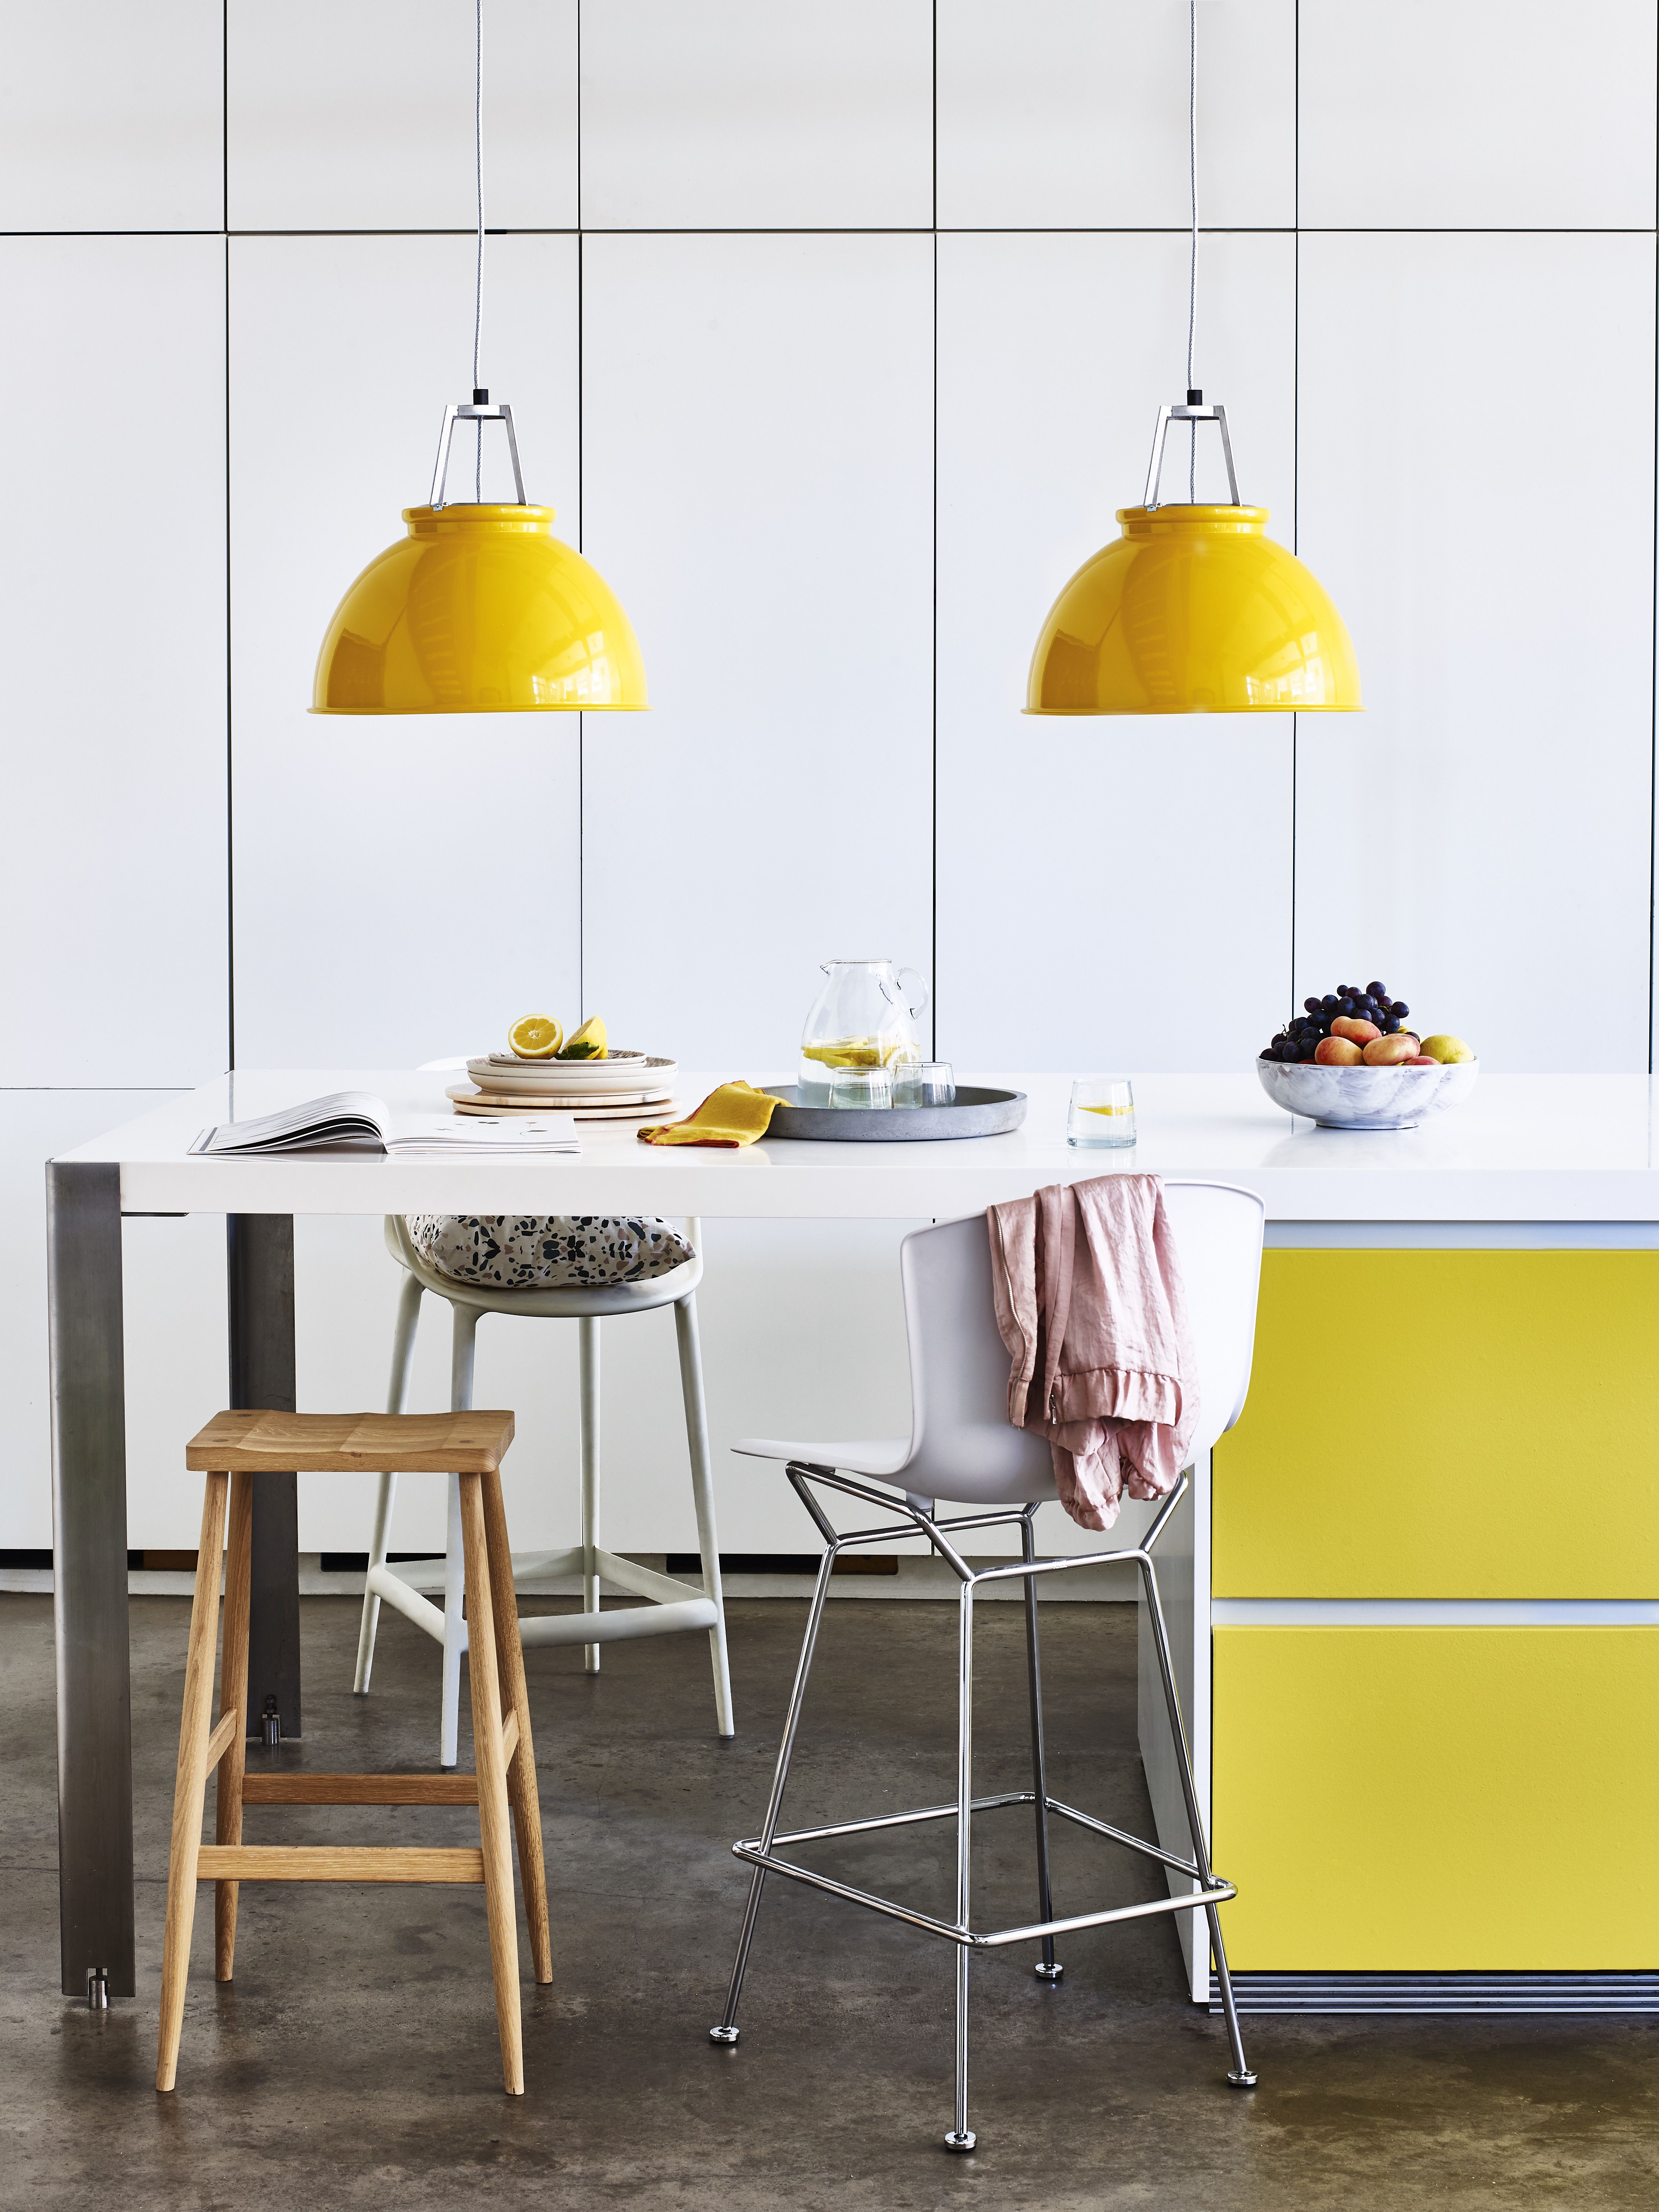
(231, 1450)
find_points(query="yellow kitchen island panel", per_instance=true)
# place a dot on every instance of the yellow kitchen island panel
(1447, 1424)
(1437, 1800)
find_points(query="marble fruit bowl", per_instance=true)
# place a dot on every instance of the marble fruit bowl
(1366, 1098)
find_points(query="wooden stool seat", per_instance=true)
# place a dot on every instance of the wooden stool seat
(231, 1450)
(352, 1443)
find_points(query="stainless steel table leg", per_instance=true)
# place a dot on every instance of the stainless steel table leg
(90, 1556)
(260, 1249)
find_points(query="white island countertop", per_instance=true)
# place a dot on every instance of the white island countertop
(1524, 1148)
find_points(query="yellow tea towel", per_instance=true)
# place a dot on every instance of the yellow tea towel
(735, 1114)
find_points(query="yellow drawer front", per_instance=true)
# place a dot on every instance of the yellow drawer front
(1447, 1425)
(1438, 1800)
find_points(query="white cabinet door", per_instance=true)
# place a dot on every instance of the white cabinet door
(1072, 114)
(112, 580)
(1469, 114)
(740, 114)
(757, 435)
(112, 117)
(1113, 892)
(405, 885)
(1479, 839)
(360, 117)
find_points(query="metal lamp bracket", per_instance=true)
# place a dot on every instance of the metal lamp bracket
(481, 411)
(1193, 411)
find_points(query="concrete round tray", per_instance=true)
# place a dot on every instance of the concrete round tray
(976, 1114)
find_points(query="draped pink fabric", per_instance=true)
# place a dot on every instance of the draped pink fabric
(1091, 1306)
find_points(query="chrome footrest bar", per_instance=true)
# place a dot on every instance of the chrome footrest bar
(1134, 1843)
(1217, 1893)
(749, 1846)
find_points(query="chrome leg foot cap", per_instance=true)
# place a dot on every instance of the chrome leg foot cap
(961, 2139)
(729, 2035)
(1245, 2080)
(1048, 1973)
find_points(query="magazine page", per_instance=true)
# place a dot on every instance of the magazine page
(340, 1116)
(452, 1135)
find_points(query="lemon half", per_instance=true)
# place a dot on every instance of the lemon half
(538, 1037)
(589, 1042)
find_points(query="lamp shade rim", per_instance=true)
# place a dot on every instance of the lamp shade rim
(1073, 714)
(504, 707)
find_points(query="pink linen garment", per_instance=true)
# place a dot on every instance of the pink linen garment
(1091, 1306)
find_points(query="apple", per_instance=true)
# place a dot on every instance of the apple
(1390, 1051)
(1340, 1051)
(1356, 1031)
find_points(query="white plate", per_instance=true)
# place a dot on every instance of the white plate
(633, 1072)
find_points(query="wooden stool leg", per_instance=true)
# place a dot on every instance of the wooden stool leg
(190, 1790)
(232, 1699)
(521, 1773)
(489, 1758)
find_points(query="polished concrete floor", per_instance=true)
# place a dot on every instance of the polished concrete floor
(354, 2061)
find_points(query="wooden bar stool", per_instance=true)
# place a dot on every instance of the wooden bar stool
(231, 1451)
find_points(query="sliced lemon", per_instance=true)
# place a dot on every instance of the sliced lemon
(538, 1037)
(589, 1042)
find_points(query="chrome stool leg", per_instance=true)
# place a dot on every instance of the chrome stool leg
(587, 1331)
(397, 1398)
(960, 2136)
(1239, 2075)
(1047, 1969)
(727, 2031)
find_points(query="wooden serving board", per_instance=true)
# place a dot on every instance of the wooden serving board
(558, 1101)
(667, 1109)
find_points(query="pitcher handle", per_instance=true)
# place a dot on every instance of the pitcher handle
(913, 985)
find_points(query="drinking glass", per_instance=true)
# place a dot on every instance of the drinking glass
(860, 1087)
(1103, 1112)
(923, 1082)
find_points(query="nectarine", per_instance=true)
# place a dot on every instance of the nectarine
(1390, 1051)
(1422, 1060)
(1340, 1051)
(1356, 1031)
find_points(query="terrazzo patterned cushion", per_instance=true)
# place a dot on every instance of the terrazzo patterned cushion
(549, 1251)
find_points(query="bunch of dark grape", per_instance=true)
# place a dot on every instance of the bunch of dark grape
(1299, 1038)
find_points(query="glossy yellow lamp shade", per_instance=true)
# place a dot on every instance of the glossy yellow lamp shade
(479, 610)
(1193, 611)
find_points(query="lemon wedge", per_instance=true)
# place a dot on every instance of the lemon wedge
(538, 1037)
(589, 1042)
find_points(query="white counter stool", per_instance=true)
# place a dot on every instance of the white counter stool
(674, 1607)
(962, 1446)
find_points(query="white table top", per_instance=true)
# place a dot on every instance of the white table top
(1524, 1148)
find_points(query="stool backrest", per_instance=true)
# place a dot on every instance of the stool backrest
(964, 1446)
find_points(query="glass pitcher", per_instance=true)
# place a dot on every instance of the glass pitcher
(861, 1018)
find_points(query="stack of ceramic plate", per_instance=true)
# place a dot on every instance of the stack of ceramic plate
(623, 1086)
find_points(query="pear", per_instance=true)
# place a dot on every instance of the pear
(1449, 1050)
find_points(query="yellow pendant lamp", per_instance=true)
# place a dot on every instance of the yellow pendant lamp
(1193, 610)
(479, 609)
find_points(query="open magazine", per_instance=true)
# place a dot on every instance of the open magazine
(356, 1121)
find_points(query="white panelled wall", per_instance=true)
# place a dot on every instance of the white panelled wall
(836, 334)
